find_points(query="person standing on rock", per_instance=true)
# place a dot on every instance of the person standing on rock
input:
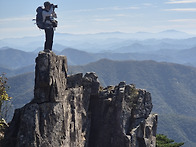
(48, 15)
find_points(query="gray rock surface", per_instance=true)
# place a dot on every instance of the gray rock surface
(75, 111)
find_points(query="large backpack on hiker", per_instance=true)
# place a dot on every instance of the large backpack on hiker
(39, 18)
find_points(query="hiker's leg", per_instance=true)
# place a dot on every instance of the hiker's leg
(46, 39)
(51, 38)
(49, 34)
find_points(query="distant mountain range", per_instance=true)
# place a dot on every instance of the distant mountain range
(19, 61)
(172, 87)
(90, 42)
(13, 58)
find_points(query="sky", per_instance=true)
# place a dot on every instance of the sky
(87, 16)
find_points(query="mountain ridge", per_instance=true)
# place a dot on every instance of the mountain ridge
(13, 58)
(82, 40)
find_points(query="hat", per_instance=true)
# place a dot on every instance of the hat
(47, 4)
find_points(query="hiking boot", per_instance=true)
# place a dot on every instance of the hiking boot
(47, 50)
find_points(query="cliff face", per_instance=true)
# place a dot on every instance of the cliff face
(75, 111)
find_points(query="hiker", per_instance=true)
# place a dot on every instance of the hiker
(48, 15)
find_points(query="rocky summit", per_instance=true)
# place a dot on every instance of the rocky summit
(75, 111)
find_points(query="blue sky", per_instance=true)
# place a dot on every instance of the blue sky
(87, 16)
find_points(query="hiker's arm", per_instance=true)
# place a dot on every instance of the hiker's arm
(45, 13)
(54, 15)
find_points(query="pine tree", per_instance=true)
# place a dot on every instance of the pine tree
(163, 141)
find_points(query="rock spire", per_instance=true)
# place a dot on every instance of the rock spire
(75, 111)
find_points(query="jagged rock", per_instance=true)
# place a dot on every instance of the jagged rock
(120, 117)
(74, 111)
(50, 77)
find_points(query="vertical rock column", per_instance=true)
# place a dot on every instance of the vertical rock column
(50, 77)
(42, 121)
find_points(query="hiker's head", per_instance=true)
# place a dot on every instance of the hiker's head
(47, 5)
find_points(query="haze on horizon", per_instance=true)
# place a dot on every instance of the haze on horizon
(83, 17)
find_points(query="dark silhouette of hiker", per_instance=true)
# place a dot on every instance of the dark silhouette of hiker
(48, 15)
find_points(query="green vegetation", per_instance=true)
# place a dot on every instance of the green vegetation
(3, 94)
(163, 141)
(133, 92)
(178, 127)
(132, 96)
(3, 98)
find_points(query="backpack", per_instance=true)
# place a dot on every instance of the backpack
(39, 18)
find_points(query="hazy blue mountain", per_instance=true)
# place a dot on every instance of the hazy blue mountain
(77, 57)
(14, 72)
(135, 48)
(184, 56)
(26, 43)
(6, 70)
(151, 45)
(25, 69)
(187, 53)
(91, 42)
(172, 34)
(120, 35)
(21, 89)
(56, 48)
(13, 58)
